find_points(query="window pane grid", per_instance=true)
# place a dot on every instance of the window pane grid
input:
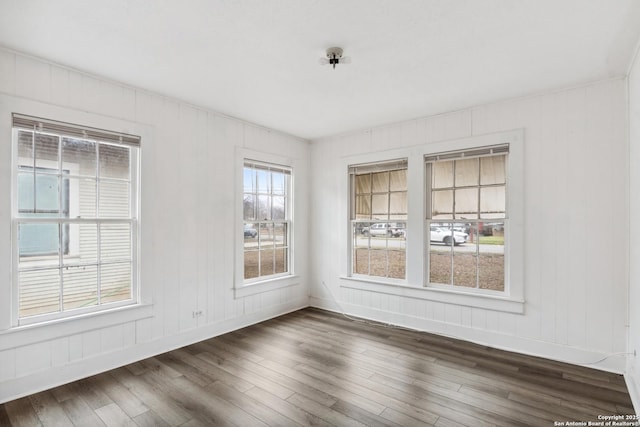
(378, 219)
(68, 170)
(466, 221)
(266, 220)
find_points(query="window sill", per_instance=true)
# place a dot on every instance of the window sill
(266, 285)
(45, 331)
(489, 302)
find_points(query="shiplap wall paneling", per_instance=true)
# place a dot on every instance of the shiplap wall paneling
(188, 173)
(187, 236)
(8, 72)
(633, 361)
(575, 198)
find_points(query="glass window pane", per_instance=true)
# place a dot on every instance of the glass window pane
(26, 200)
(440, 264)
(278, 208)
(25, 149)
(466, 172)
(80, 286)
(363, 184)
(397, 262)
(249, 180)
(249, 207)
(47, 147)
(398, 180)
(380, 182)
(115, 282)
(79, 157)
(267, 262)
(279, 183)
(361, 260)
(114, 161)
(380, 206)
(47, 194)
(280, 234)
(442, 174)
(281, 260)
(81, 242)
(363, 207)
(491, 259)
(465, 268)
(492, 170)
(442, 203)
(39, 240)
(265, 199)
(398, 203)
(250, 263)
(266, 235)
(114, 199)
(250, 232)
(264, 181)
(264, 207)
(115, 242)
(378, 262)
(492, 201)
(39, 292)
(83, 191)
(466, 203)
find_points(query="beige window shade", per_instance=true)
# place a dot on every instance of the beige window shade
(476, 152)
(378, 167)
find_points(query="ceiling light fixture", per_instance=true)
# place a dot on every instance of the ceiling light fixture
(334, 57)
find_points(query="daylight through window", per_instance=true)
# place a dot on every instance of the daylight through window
(75, 218)
(267, 220)
(378, 219)
(467, 218)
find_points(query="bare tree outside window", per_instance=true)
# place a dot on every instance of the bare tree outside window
(267, 220)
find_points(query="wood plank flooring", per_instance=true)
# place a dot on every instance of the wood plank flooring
(318, 368)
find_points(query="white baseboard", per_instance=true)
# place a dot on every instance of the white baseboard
(557, 352)
(44, 380)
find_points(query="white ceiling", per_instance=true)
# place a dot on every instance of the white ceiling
(258, 59)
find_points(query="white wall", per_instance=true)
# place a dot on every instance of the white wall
(575, 225)
(187, 223)
(633, 366)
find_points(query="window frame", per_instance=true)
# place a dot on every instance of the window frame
(512, 300)
(135, 299)
(286, 220)
(429, 220)
(246, 287)
(390, 165)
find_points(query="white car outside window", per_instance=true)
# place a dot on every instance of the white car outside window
(444, 235)
(385, 229)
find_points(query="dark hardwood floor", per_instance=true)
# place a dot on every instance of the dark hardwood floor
(317, 368)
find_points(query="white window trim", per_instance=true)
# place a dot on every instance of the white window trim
(142, 308)
(242, 287)
(18, 321)
(512, 300)
(350, 267)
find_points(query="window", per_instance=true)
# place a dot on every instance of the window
(267, 220)
(378, 219)
(467, 219)
(41, 239)
(74, 218)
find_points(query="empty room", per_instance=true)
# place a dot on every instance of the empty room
(319, 212)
